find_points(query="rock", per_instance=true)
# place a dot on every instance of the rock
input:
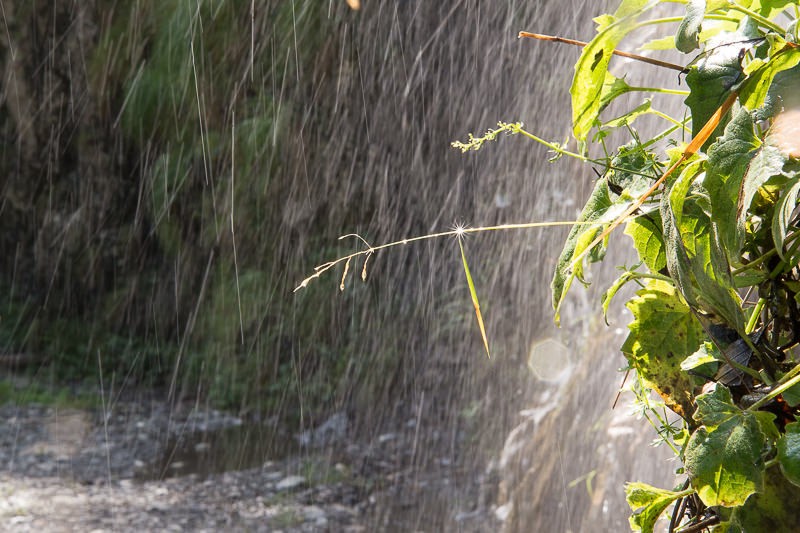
(290, 483)
(314, 513)
(332, 430)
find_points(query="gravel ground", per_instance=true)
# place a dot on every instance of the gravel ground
(78, 470)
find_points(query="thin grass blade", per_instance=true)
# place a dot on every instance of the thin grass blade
(474, 296)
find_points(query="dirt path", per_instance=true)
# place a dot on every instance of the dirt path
(76, 470)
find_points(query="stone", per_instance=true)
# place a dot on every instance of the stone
(290, 483)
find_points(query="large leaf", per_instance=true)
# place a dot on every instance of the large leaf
(647, 504)
(723, 457)
(789, 453)
(728, 159)
(695, 259)
(592, 67)
(663, 333)
(711, 80)
(688, 36)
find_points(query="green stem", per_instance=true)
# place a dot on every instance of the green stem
(754, 262)
(758, 18)
(648, 275)
(761, 259)
(678, 124)
(602, 162)
(554, 147)
(789, 375)
(661, 90)
(669, 20)
(751, 324)
(780, 389)
(780, 266)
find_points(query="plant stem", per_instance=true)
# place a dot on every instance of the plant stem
(324, 267)
(751, 324)
(628, 55)
(676, 92)
(758, 18)
(554, 147)
(780, 389)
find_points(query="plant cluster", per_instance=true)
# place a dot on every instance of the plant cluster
(715, 223)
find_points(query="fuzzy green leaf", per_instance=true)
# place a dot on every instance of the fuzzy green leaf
(592, 67)
(647, 504)
(715, 407)
(687, 38)
(723, 457)
(728, 159)
(789, 452)
(695, 259)
(767, 163)
(711, 81)
(663, 333)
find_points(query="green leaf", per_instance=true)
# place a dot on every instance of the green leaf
(647, 504)
(783, 213)
(758, 83)
(602, 208)
(592, 67)
(710, 82)
(766, 421)
(648, 239)
(687, 38)
(608, 295)
(715, 407)
(792, 395)
(773, 509)
(789, 453)
(695, 259)
(613, 87)
(706, 354)
(662, 43)
(767, 162)
(663, 333)
(629, 117)
(728, 159)
(474, 295)
(723, 457)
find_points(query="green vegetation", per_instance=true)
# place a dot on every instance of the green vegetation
(158, 254)
(713, 222)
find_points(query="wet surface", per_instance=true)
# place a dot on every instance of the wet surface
(233, 448)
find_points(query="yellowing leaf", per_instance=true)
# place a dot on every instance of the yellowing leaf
(474, 296)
